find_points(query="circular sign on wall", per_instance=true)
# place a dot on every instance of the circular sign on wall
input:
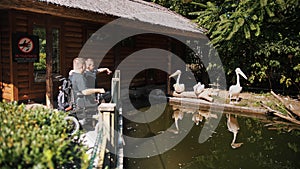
(25, 45)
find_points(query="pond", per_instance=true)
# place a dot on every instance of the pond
(261, 145)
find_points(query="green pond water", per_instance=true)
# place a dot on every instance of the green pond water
(264, 146)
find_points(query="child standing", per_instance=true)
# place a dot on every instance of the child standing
(91, 72)
(79, 80)
(91, 75)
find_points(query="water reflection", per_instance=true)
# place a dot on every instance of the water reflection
(233, 126)
(262, 148)
(201, 115)
(177, 115)
(197, 117)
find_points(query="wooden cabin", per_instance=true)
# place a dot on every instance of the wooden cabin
(60, 28)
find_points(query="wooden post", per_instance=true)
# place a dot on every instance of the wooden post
(169, 66)
(106, 124)
(49, 79)
(112, 129)
(120, 142)
(107, 110)
(13, 65)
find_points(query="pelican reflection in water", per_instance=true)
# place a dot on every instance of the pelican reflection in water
(177, 115)
(233, 126)
(197, 117)
(179, 88)
(236, 89)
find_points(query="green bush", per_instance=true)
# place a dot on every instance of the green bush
(37, 139)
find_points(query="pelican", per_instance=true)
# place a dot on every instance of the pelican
(179, 88)
(235, 90)
(198, 88)
(233, 126)
(177, 115)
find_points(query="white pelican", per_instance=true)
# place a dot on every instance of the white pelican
(198, 88)
(235, 90)
(179, 88)
(233, 126)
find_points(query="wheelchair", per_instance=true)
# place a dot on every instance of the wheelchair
(80, 108)
(84, 107)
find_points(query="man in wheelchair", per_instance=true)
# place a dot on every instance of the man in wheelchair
(86, 104)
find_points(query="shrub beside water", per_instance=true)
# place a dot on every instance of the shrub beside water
(37, 139)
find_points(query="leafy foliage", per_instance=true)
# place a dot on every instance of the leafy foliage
(36, 139)
(262, 37)
(182, 7)
(41, 65)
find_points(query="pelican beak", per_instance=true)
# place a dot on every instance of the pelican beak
(175, 73)
(242, 74)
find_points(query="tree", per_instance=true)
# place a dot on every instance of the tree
(183, 7)
(260, 36)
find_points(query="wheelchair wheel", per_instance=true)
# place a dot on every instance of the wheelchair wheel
(73, 125)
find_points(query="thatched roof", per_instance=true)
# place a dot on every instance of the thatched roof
(130, 9)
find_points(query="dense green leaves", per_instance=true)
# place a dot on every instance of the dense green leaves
(262, 37)
(36, 139)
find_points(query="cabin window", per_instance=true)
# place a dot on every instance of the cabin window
(40, 66)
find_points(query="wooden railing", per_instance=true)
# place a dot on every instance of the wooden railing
(109, 129)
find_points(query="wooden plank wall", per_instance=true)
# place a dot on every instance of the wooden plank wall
(158, 42)
(21, 71)
(104, 80)
(72, 41)
(102, 58)
(6, 87)
(146, 41)
(18, 78)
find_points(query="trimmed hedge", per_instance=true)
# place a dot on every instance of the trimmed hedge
(37, 138)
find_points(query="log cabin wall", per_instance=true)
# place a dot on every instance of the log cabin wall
(140, 42)
(17, 80)
(6, 87)
(147, 41)
(151, 76)
(22, 73)
(131, 45)
(72, 41)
